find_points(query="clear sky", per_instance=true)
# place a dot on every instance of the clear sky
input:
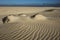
(27, 2)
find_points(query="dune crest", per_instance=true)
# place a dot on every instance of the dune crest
(40, 17)
(24, 18)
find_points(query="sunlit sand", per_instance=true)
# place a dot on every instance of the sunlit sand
(21, 26)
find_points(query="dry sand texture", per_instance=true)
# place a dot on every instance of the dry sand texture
(46, 28)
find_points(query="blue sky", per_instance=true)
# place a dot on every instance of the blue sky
(27, 2)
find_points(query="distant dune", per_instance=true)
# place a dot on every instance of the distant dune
(30, 23)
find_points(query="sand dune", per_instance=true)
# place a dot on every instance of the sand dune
(52, 10)
(31, 29)
(23, 17)
(40, 17)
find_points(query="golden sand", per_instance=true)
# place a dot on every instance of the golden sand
(46, 28)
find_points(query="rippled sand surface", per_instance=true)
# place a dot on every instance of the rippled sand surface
(48, 29)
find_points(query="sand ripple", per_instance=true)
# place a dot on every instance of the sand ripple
(48, 29)
(30, 31)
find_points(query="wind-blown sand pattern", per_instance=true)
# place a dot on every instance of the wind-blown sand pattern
(46, 28)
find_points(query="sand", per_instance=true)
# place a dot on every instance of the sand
(45, 26)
